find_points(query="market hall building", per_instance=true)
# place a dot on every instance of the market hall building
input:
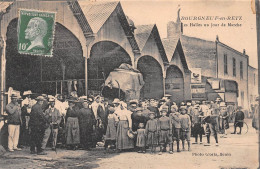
(91, 39)
(94, 38)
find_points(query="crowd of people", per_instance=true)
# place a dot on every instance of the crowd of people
(137, 125)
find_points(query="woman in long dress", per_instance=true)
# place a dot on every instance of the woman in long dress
(72, 126)
(125, 123)
(86, 123)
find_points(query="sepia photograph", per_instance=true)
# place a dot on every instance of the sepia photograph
(129, 84)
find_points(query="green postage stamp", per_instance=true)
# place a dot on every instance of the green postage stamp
(36, 32)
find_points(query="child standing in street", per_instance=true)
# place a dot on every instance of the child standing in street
(185, 127)
(151, 131)
(165, 131)
(140, 142)
(110, 138)
(176, 125)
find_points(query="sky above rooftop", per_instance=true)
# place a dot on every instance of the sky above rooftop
(161, 12)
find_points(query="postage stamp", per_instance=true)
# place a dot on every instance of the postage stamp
(36, 32)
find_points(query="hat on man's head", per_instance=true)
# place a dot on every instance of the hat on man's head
(174, 107)
(72, 99)
(45, 95)
(83, 99)
(29, 92)
(116, 101)
(52, 99)
(40, 98)
(198, 102)
(183, 108)
(139, 109)
(14, 96)
(133, 102)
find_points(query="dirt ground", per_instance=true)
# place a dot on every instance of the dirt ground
(235, 151)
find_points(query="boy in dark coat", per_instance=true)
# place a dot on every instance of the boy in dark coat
(165, 131)
(239, 119)
(176, 125)
(185, 127)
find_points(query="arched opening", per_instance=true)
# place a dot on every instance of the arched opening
(153, 77)
(41, 74)
(174, 84)
(105, 56)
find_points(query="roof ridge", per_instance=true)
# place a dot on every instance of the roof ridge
(98, 12)
(142, 40)
(197, 38)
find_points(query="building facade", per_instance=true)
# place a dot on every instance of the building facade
(224, 71)
(252, 85)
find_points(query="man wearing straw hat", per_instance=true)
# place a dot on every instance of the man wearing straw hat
(54, 118)
(13, 110)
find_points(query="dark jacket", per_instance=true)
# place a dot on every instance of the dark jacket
(53, 116)
(239, 116)
(37, 118)
(14, 114)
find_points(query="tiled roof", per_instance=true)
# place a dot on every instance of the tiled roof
(170, 46)
(97, 13)
(4, 6)
(142, 33)
(200, 53)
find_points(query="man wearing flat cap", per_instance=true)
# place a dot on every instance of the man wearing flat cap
(37, 125)
(13, 110)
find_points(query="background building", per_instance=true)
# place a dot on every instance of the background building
(224, 70)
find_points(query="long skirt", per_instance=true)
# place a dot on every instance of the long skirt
(72, 131)
(111, 131)
(122, 139)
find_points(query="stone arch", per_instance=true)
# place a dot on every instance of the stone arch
(64, 16)
(105, 56)
(39, 73)
(153, 77)
(174, 83)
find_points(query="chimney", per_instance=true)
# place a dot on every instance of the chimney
(244, 52)
(217, 39)
(175, 29)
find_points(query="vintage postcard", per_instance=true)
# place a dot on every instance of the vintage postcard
(129, 84)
